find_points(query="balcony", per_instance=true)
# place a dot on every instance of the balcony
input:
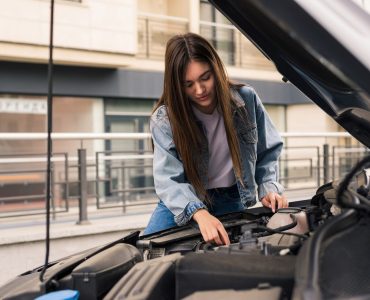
(154, 31)
(234, 49)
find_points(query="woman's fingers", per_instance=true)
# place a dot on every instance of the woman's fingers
(215, 237)
(223, 234)
(217, 234)
(281, 201)
(265, 202)
(274, 200)
(211, 228)
(284, 201)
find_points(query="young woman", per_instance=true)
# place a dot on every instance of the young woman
(215, 148)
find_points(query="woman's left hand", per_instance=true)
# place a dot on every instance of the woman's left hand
(274, 200)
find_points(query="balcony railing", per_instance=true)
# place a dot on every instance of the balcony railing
(233, 47)
(235, 50)
(154, 31)
(124, 179)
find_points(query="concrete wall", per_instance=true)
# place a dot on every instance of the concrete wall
(101, 33)
(102, 25)
(309, 118)
(158, 7)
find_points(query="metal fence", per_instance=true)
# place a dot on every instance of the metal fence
(121, 179)
(154, 31)
(233, 47)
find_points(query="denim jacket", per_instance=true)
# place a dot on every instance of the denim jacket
(260, 146)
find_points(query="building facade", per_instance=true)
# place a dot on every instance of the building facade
(108, 57)
(108, 72)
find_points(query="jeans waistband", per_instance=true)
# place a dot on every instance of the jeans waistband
(223, 190)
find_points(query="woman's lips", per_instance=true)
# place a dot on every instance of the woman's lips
(203, 98)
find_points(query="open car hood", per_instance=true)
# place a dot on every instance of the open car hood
(321, 46)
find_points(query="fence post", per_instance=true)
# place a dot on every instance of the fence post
(124, 194)
(147, 37)
(326, 163)
(318, 168)
(82, 181)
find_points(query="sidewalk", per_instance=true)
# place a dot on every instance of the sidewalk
(32, 228)
(22, 239)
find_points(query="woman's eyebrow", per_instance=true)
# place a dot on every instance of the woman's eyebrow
(200, 76)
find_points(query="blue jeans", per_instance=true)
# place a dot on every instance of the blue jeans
(224, 200)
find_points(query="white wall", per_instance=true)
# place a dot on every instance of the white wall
(309, 118)
(99, 25)
(158, 7)
(302, 152)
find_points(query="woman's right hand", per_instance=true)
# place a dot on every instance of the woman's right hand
(211, 228)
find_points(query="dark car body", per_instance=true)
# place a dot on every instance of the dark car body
(320, 46)
(322, 252)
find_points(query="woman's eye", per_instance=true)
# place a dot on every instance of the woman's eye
(205, 78)
(188, 85)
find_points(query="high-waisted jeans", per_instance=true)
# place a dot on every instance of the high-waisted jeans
(224, 200)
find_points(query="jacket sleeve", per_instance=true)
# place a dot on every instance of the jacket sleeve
(169, 178)
(269, 147)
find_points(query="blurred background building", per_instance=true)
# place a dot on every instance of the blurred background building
(109, 66)
(108, 72)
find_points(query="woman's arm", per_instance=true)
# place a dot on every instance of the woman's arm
(269, 146)
(169, 178)
(172, 188)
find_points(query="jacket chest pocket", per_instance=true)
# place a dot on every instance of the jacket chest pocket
(248, 135)
(248, 139)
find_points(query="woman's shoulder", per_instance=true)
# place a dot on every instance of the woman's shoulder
(159, 114)
(247, 92)
(244, 95)
(160, 120)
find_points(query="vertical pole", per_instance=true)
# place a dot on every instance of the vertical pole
(49, 143)
(333, 172)
(97, 191)
(66, 170)
(147, 37)
(82, 180)
(318, 168)
(240, 50)
(326, 163)
(124, 194)
(194, 16)
(53, 194)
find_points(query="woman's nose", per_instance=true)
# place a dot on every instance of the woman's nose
(199, 88)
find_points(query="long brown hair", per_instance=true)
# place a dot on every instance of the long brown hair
(187, 135)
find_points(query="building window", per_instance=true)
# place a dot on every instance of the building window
(232, 46)
(128, 115)
(218, 30)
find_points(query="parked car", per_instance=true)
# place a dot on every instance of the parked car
(317, 248)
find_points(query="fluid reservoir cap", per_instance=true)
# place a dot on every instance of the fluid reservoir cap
(282, 218)
(60, 295)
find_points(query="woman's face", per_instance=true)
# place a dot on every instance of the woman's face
(199, 86)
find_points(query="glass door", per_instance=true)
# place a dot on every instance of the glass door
(129, 175)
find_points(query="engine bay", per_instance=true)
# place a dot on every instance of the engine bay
(314, 249)
(281, 253)
(256, 231)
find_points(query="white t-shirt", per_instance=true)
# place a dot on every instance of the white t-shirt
(220, 167)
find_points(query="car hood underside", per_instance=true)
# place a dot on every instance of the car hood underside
(312, 53)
